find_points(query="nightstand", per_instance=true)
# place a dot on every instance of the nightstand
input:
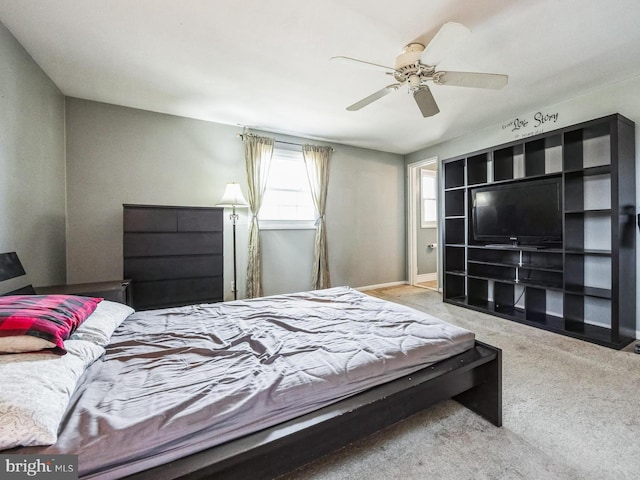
(115, 291)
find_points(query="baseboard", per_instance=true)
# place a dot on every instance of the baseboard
(427, 277)
(597, 324)
(381, 285)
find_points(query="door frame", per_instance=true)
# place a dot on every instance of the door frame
(413, 187)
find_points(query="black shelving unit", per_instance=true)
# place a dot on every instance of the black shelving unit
(586, 287)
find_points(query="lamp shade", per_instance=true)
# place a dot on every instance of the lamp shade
(232, 197)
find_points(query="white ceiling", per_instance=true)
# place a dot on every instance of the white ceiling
(265, 63)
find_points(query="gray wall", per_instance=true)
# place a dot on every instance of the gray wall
(32, 162)
(427, 257)
(119, 155)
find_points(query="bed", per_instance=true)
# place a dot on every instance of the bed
(145, 404)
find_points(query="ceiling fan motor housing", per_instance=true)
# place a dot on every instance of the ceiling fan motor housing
(408, 67)
(410, 55)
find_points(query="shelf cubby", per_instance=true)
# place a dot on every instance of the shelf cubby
(588, 146)
(454, 174)
(503, 296)
(586, 273)
(454, 231)
(454, 204)
(508, 163)
(585, 287)
(589, 314)
(454, 286)
(574, 312)
(498, 272)
(536, 304)
(454, 259)
(545, 278)
(478, 291)
(588, 230)
(597, 311)
(587, 192)
(543, 156)
(477, 168)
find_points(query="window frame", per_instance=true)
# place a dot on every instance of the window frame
(288, 154)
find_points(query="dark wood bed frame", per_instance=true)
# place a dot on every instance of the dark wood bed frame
(473, 378)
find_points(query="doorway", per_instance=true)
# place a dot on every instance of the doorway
(423, 255)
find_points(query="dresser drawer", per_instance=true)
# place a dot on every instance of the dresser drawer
(199, 221)
(166, 268)
(167, 293)
(157, 244)
(141, 219)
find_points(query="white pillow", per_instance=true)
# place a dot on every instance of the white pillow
(101, 324)
(36, 388)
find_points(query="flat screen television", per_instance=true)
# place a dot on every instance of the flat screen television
(528, 212)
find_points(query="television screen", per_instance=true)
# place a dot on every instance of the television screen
(527, 212)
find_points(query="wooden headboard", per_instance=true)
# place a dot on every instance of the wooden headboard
(13, 278)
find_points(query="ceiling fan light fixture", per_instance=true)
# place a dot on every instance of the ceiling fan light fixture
(414, 82)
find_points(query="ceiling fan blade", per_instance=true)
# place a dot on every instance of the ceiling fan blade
(493, 81)
(449, 35)
(426, 103)
(349, 60)
(373, 97)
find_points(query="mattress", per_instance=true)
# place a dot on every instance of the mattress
(177, 381)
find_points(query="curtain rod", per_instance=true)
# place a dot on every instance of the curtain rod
(241, 135)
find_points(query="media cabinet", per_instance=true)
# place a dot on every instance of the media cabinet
(586, 286)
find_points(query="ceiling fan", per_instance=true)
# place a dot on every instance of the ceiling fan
(416, 66)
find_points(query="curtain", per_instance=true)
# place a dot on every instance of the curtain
(257, 152)
(316, 159)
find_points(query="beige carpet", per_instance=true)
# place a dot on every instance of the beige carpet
(571, 410)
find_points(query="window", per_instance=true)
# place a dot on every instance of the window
(428, 204)
(287, 200)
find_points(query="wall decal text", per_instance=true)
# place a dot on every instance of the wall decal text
(530, 125)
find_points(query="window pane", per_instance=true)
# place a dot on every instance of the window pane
(428, 186)
(429, 213)
(287, 196)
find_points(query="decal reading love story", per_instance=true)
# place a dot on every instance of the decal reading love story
(536, 122)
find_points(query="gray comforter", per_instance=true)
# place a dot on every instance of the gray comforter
(179, 380)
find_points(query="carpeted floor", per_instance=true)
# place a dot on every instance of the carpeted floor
(570, 411)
